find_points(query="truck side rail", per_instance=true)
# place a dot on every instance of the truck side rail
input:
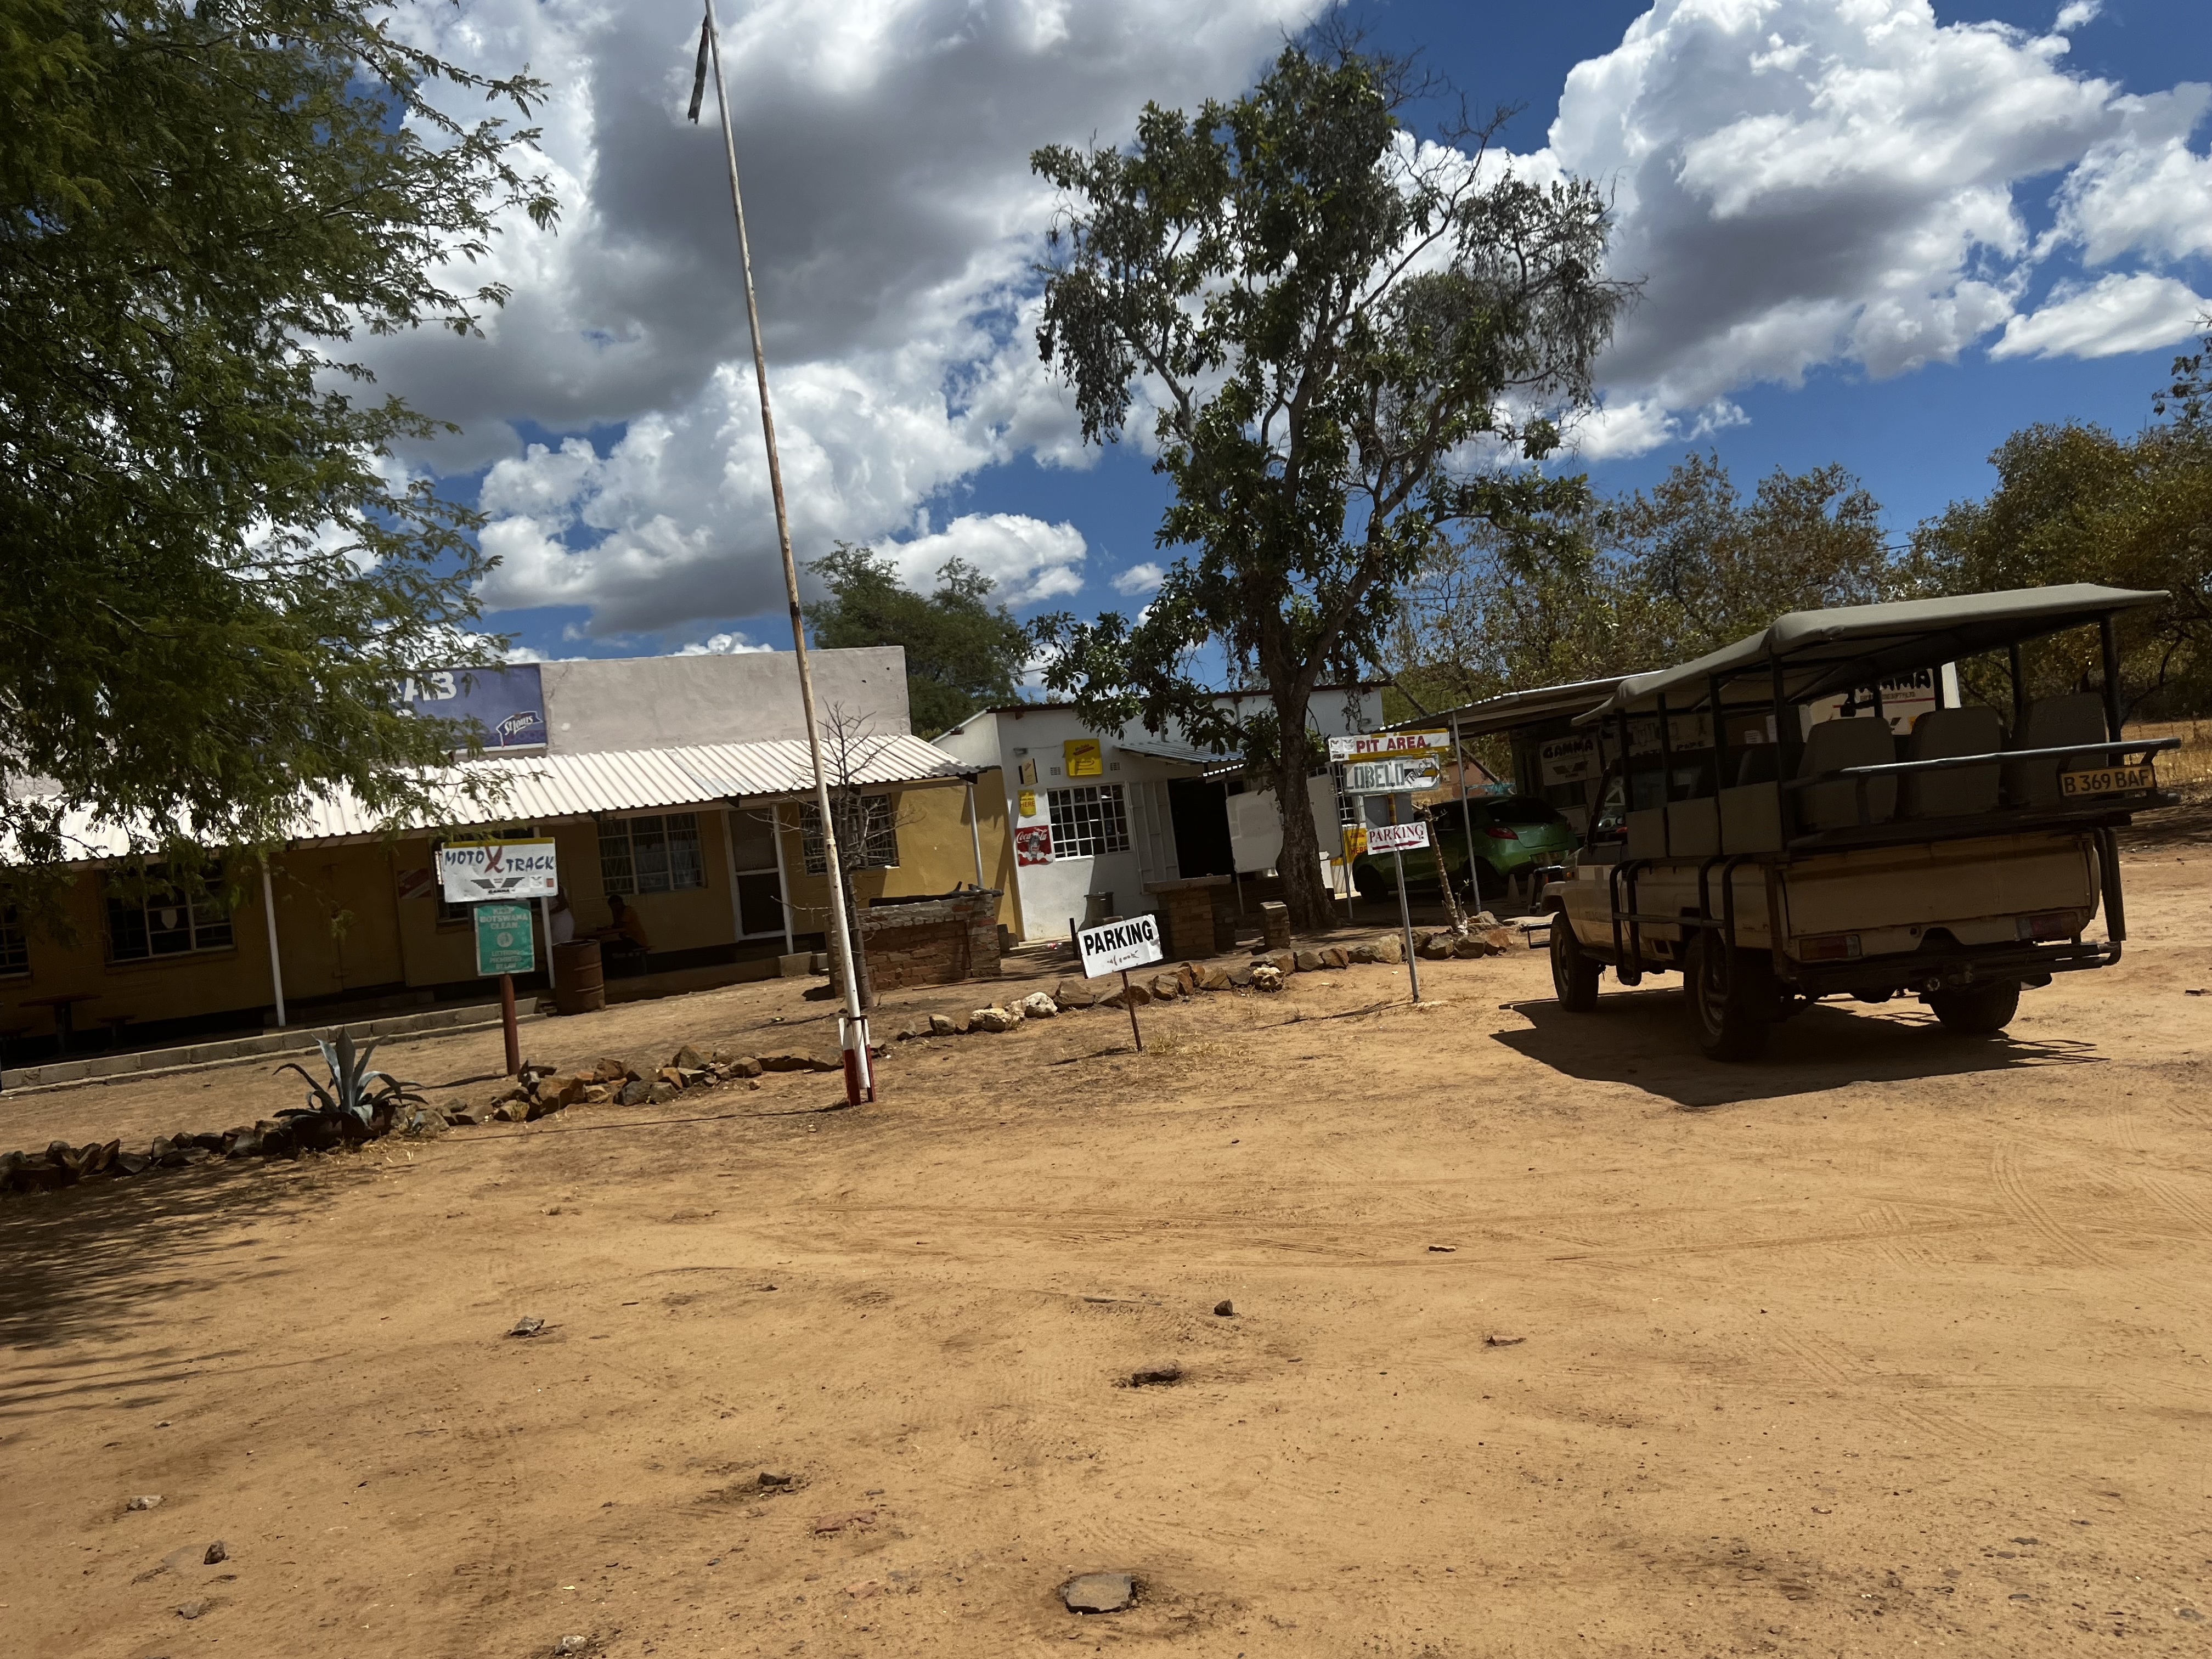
(1952, 763)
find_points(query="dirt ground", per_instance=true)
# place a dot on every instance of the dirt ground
(1549, 1338)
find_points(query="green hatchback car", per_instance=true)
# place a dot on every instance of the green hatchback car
(1515, 836)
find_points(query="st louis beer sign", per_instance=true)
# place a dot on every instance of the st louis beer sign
(475, 871)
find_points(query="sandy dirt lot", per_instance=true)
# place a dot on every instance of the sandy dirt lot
(1549, 1338)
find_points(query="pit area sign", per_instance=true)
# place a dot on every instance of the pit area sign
(1118, 946)
(1388, 745)
(473, 872)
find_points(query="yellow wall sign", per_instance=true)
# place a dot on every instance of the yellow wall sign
(1084, 758)
(1355, 841)
(1028, 805)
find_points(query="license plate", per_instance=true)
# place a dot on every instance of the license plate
(2107, 781)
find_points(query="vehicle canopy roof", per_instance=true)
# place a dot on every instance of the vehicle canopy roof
(1531, 706)
(1824, 651)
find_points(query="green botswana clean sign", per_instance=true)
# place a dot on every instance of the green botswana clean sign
(504, 943)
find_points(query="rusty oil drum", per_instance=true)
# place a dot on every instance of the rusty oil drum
(579, 986)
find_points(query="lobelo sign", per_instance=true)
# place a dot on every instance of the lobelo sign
(475, 871)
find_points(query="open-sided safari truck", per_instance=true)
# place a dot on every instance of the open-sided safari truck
(1769, 827)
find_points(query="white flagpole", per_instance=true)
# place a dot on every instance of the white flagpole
(860, 1079)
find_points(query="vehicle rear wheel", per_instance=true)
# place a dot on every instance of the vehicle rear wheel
(1979, 1011)
(1574, 970)
(1731, 1022)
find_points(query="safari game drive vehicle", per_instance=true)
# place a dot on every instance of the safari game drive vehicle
(1767, 832)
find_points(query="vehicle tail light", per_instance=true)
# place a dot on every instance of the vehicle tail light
(2051, 924)
(1499, 832)
(1829, 947)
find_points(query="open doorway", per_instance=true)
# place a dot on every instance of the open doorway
(1199, 812)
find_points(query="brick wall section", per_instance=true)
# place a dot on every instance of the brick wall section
(936, 942)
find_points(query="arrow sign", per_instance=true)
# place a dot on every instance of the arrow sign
(1398, 837)
(1390, 777)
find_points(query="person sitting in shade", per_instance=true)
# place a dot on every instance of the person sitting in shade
(627, 924)
(561, 923)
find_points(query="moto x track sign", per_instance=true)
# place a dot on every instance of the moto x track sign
(473, 872)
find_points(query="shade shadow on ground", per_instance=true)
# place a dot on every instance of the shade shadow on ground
(82, 1264)
(1642, 1038)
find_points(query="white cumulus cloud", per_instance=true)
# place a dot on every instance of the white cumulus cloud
(2117, 313)
(1139, 578)
(1027, 559)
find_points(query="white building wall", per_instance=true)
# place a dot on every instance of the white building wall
(1053, 893)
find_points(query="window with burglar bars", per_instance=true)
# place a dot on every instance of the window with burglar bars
(14, 949)
(1088, 821)
(156, 919)
(654, 855)
(878, 833)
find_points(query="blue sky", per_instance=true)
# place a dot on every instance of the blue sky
(1875, 232)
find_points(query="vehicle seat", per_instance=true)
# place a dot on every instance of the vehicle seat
(1858, 740)
(1978, 729)
(2078, 717)
(1760, 764)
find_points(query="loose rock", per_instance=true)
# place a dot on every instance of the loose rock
(795, 1061)
(1165, 987)
(528, 1325)
(1039, 1006)
(1224, 1309)
(1307, 962)
(995, 1019)
(1266, 977)
(151, 1501)
(688, 1059)
(191, 1609)
(1335, 956)
(1076, 993)
(217, 1552)
(943, 1025)
(1098, 1592)
(572, 1644)
(1214, 978)
(1390, 948)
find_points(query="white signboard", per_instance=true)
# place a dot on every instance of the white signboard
(1381, 745)
(1119, 945)
(476, 870)
(1398, 837)
(1391, 777)
(1566, 760)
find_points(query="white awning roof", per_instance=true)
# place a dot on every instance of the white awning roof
(1827, 651)
(541, 788)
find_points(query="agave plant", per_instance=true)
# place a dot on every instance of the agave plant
(354, 1090)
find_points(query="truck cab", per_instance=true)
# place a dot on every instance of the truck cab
(1767, 827)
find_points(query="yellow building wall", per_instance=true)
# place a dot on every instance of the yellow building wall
(344, 929)
(936, 854)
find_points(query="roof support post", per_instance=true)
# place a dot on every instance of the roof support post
(729, 868)
(975, 830)
(2108, 636)
(275, 960)
(1785, 747)
(782, 880)
(1467, 819)
(2019, 686)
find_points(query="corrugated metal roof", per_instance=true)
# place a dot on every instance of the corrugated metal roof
(544, 787)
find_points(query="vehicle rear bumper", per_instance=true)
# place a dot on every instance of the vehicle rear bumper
(1949, 970)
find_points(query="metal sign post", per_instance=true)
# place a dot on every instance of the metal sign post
(1397, 839)
(1119, 945)
(504, 949)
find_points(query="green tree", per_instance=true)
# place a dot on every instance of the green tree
(1335, 326)
(216, 577)
(963, 653)
(2075, 502)
(1711, 568)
